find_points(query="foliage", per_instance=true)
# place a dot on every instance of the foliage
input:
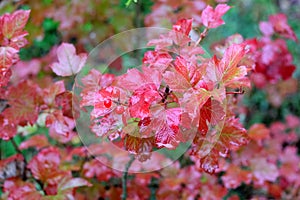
(243, 145)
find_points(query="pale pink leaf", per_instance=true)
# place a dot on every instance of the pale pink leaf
(69, 63)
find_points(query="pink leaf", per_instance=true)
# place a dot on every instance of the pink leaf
(212, 18)
(72, 183)
(7, 56)
(157, 60)
(168, 134)
(266, 28)
(141, 100)
(52, 91)
(280, 25)
(68, 62)
(263, 170)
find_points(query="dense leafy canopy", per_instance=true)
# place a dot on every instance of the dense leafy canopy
(179, 94)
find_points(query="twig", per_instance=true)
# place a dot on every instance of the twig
(124, 178)
(202, 36)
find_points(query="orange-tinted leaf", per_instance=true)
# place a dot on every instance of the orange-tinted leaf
(45, 166)
(13, 24)
(22, 100)
(258, 132)
(210, 148)
(232, 74)
(141, 147)
(235, 176)
(36, 141)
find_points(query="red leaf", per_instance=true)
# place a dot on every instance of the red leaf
(176, 82)
(158, 60)
(183, 26)
(17, 189)
(92, 84)
(209, 148)
(142, 147)
(258, 132)
(104, 125)
(211, 112)
(13, 24)
(235, 176)
(280, 25)
(8, 56)
(23, 106)
(95, 80)
(60, 124)
(286, 72)
(76, 151)
(161, 43)
(168, 134)
(189, 71)
(193, 100)
(5, 75)
(212, 18)
(45, 166)
(289, 161)
(232, 74)
(36, 141)
(52, 91)
(65, 102)
(68, 62)
(97, 169)
(233, 135)
(23, 70)
(292, 121)
(208, 163)
(7, 129)
(103, 102)
(134, 78)
(141, 99)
